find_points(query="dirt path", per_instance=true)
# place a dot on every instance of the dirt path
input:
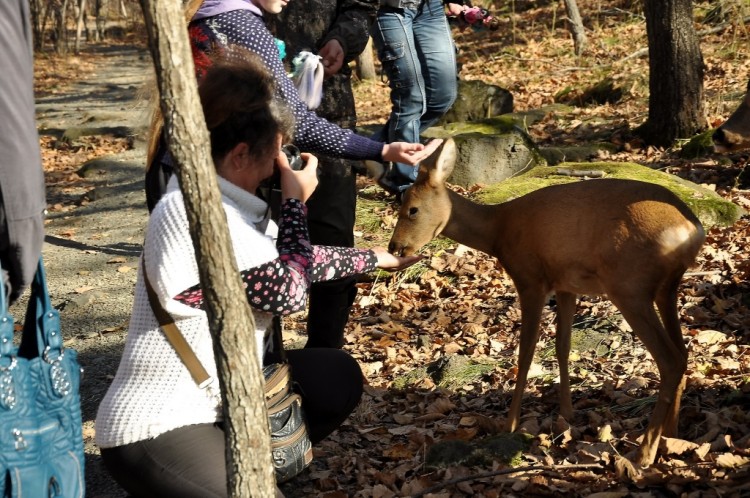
(92, 249)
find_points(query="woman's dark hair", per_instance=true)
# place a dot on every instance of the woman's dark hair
(237, 95)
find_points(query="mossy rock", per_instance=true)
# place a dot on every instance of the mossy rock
(504, 448)
(449, 372)
(478, 100)
(698, 146)
(489, 151)
(575, 153)
(710, 207)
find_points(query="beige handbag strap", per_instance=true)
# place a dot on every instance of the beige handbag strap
(175, 337)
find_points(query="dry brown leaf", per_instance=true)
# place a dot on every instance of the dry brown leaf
(675, 446)
(731, 461)
(625, 470)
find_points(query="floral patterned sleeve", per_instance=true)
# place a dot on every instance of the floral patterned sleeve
(280, 286)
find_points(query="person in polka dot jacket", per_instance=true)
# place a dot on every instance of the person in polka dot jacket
(218, 24)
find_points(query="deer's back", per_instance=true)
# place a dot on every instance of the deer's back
(581, 232)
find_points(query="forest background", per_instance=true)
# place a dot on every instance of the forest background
(458, 305)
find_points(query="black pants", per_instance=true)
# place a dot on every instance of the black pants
(189, 462)
(330, 217)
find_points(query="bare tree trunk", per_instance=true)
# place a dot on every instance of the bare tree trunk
(38, 10)
(249, 473)
(575, 26)
(80, 23)
(676, 100)
(100, 19)
(366, 63)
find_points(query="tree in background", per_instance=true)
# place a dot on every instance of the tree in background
(676, 99)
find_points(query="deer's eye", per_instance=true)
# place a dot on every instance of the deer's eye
(413, 212)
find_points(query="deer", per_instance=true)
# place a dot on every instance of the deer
(629, 240)
(734, 133)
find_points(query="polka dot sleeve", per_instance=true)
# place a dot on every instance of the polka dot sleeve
(280, 286)
(312, 133)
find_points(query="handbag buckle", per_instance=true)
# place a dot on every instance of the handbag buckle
(58, 375)
(20, 443)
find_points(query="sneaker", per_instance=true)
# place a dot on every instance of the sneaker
(388, 184)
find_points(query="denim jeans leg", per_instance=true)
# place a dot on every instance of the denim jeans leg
(418, 57)
(437, 56)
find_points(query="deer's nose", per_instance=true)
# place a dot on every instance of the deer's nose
(395, 248)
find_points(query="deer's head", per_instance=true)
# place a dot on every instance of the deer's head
(426, 206)
(734, 134)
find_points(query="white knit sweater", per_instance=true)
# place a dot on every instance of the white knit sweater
(152, 391)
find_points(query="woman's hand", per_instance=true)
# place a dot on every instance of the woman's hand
(388, 261)
(298, 184)
(455, 9)
(409, 153)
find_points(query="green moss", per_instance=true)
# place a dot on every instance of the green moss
(504, 448)
(491, 126)
(410, 378)
(710, 208)
(698, 146)
(455, 371)
(368, 216)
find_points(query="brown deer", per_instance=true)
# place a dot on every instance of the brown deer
(627, 239)
(734, 134)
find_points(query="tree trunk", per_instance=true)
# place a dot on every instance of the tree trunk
(366, 63)
(38, 11)
(100, 19)
(80, 23)
(575, 26)
(249, 468)
(676, 100)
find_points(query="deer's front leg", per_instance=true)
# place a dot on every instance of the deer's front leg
(531, 315)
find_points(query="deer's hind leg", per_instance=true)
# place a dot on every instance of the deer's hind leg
(638, 309)
(666, 302)
(566, 306)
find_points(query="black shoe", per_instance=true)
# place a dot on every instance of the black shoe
(388, 184)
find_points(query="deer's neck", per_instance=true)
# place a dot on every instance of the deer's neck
(472, 224)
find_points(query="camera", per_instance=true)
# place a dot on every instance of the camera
(293, 156)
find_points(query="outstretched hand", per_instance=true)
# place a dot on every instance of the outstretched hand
(409, 153)
(390, 262)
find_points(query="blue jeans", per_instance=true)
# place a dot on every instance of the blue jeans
(416, 51)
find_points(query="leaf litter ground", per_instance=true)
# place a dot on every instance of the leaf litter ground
(459, 304)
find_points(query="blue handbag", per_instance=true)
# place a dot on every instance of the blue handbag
(41, 440)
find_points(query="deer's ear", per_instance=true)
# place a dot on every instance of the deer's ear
(444, 160)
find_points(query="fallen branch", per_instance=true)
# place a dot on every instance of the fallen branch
(528, 468)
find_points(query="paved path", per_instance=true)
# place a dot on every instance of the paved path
(92, 250)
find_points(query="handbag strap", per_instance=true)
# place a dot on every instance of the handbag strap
(175, 337)
(42, 334)
(7, 349)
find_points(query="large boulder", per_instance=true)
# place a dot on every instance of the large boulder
(489, 150)
(478, 100)
(708, 206)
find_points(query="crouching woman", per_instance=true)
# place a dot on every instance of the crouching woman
(160, 435)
